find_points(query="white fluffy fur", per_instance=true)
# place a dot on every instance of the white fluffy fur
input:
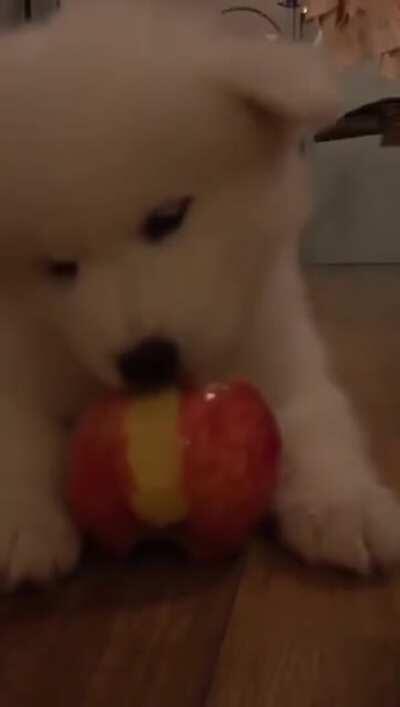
(105, 113)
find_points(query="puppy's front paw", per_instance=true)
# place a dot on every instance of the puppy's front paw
(358, 529)
(37, 542)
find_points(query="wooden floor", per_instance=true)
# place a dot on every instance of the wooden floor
(263, 631)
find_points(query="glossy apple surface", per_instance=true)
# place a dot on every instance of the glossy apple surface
(231, 465)
(202, 464)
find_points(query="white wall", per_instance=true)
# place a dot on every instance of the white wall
(357, 216)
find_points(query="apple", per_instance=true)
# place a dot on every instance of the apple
(202, 465)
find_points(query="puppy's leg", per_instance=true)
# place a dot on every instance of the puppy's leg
(331, 505)
(37, 538)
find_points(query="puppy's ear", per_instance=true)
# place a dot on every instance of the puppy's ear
(290, 80)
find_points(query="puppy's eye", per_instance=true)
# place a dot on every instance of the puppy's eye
(166, 219)
(62, 270)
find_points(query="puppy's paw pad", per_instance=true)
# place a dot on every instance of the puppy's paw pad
(36, 545)
(358, 531)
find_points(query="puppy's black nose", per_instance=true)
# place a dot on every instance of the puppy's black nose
(153, 364)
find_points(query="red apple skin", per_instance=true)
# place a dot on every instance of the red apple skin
(98, 485)
(230, 458)
(231, 466)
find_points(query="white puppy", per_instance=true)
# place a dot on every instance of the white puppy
(151, 200)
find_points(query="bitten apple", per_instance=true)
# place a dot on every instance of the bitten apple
(200, 464)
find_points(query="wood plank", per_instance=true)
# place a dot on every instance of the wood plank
(307, 638)
(146, 635)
